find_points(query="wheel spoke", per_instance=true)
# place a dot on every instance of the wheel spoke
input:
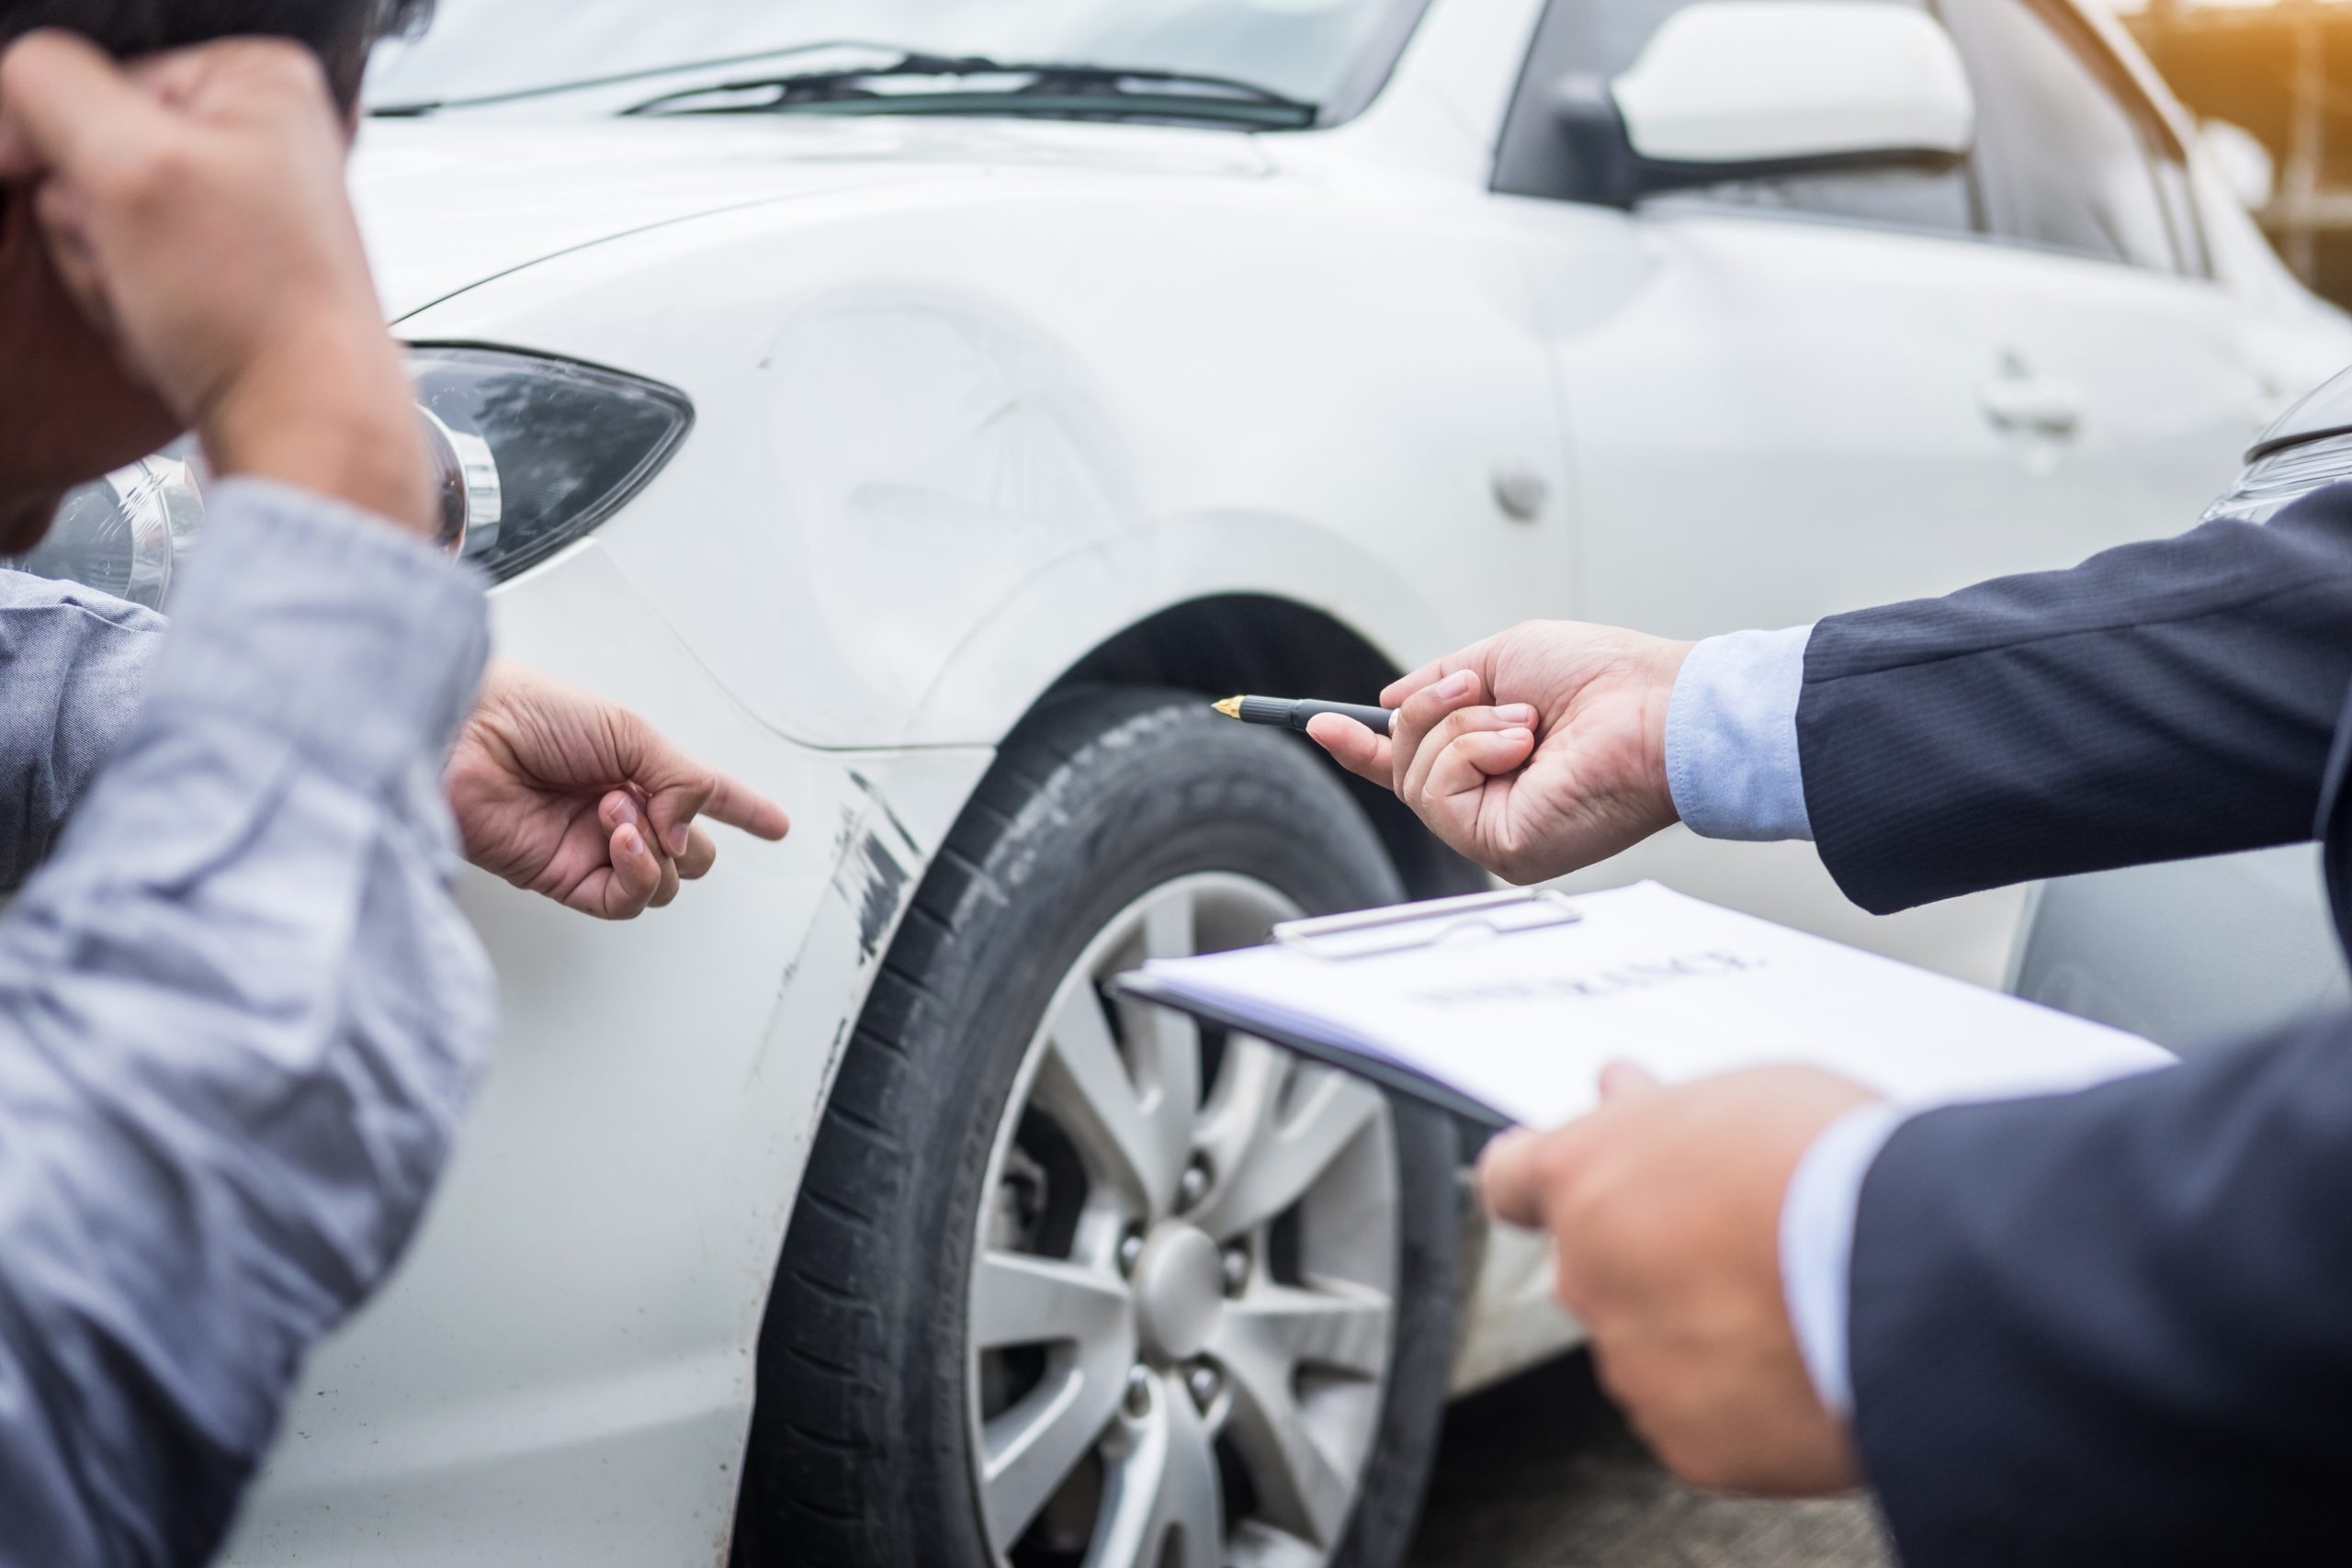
(1288, 1154)
(1029, 1451)
(1019, 1298)
(1162, 1493)
(1319, 1329)
(1169, 925)
(1083, 1082)
(1165, 1045)
(1240, 1110)
(1302, 1489)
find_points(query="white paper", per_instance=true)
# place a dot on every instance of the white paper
(1524, 1021)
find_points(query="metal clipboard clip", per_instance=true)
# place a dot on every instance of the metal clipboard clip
(1371, 933)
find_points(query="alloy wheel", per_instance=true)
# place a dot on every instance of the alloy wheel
(1181, 1302)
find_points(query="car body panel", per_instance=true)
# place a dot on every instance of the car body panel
(889, 374)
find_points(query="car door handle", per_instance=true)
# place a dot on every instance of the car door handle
(2037, 405)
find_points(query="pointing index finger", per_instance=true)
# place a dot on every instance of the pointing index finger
(738, 804)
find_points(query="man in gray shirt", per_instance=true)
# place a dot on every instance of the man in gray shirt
(238, 1013)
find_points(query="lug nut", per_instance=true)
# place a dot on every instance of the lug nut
(1138, 1399)
(1130, 1251)
(1236, 1269)
(1203, 1382)
(1193, 1185)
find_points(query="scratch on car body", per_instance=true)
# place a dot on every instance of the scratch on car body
(874, 881)
(906, 836)
(886, 882)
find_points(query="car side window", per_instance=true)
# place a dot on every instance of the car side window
(1604, 38)
(2074, 159)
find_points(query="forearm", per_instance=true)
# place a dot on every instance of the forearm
(238, 1017)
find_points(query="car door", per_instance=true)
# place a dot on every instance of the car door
(1775, 406)
(2125, 382)
(1778, 379)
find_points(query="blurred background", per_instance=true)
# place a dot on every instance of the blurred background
(2272, 79)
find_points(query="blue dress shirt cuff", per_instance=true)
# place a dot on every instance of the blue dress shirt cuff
(1817, 1243)
(1731, 736)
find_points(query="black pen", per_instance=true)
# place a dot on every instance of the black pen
(1292, 712)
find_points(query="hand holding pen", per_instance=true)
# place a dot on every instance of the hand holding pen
(1534, 752)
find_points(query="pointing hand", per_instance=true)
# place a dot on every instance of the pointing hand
(570, 795)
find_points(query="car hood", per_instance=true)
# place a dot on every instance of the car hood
(450, 203)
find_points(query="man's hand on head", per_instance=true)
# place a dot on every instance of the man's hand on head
(1664, 1209)
(194, 205)
(567, 794)
(1534, 752)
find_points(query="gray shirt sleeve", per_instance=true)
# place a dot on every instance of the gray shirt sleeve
(73, 665)
(237, 1018)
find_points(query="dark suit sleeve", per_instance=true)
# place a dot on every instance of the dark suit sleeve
(2116, 1327)
(2162, 700)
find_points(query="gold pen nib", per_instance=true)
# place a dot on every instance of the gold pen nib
(1231, 707)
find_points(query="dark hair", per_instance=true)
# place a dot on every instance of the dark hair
(340, 32)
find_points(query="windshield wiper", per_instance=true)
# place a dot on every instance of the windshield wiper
(1052, 89)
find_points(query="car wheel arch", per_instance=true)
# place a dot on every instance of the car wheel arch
(1223, 644)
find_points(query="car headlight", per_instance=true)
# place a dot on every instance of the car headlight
(530, 454)
(121, 534)
(2306, 449)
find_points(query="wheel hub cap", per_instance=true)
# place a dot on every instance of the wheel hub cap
(1179, 1293)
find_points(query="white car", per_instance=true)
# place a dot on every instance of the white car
(923, 427)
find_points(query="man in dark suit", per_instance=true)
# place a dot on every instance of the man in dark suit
(2107, 1326)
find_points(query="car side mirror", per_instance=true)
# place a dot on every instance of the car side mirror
(1747, 89)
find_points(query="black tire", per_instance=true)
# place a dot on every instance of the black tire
(858, 1455)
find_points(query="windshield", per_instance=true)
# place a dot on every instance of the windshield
(1313, 51)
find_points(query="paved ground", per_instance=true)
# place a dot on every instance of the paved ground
(1541, 1473)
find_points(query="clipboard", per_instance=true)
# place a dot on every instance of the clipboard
(1500, 1008)
(1373, 933)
